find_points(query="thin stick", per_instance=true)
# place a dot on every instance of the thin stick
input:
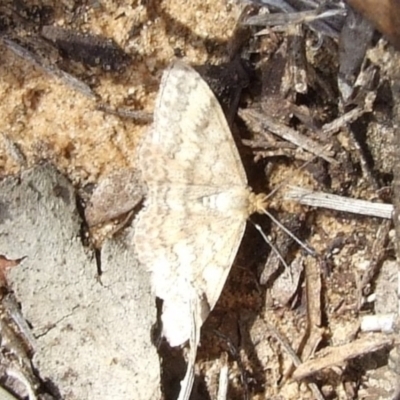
(295, 358)
(266, 123)
(339, 203)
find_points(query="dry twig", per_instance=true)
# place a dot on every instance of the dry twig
(339, 203)
(337, 355)
(266, 123)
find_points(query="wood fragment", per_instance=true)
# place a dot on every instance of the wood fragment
(378, 251)
(314, 332)
(276, 101)
(295, 358)
(360, 154)
(314, 312)
(334, 126)
(296, 65)
(339, 203)
(338, 355)
(289, 134)
(355, 38)
(322, 20)
(302, 17)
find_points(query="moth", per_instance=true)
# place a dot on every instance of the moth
(197, 205)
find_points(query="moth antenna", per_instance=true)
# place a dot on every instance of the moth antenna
(308, 249)
(273, 247)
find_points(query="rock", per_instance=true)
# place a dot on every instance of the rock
(92, 335)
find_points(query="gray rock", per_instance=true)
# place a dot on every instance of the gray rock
(92, 336)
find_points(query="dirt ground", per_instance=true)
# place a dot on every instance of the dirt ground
(40, 113)
(316, 308)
